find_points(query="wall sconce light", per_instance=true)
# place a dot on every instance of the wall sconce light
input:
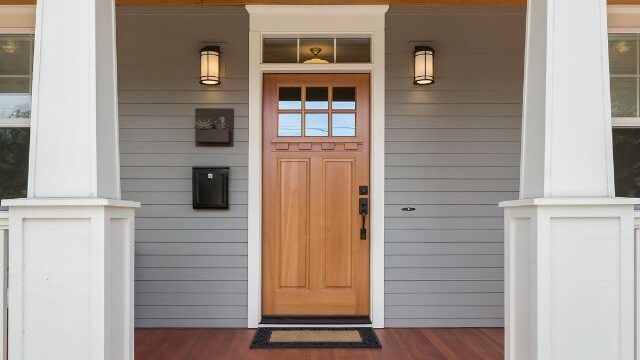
(423, 65)
(210, 65)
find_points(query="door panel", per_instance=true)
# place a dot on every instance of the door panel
(293, 229)
(315, 158)
(337, 190)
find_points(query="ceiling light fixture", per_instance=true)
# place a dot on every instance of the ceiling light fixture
(316, 59)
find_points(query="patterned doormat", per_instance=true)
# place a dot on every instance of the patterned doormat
(278, 338)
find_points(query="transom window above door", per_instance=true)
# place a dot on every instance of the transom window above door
(316, 50)
(316, 111)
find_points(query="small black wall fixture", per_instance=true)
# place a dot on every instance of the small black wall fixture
(210, 65)
(210, 187)
(214, 127)
(423, 64)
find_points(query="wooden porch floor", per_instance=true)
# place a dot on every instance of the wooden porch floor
(409, 344)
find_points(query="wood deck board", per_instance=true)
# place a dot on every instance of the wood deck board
(405, 344)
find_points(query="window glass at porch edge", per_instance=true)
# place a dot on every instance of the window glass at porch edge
(14, 162)
(624, 65)
(16, 61)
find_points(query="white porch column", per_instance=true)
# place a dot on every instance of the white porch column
(71, 240)
(569, 242)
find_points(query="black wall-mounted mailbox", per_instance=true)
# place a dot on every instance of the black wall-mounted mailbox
(210, 188)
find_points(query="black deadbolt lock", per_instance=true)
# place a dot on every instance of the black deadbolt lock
(364, 190)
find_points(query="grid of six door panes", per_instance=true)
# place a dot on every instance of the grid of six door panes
(317, 111)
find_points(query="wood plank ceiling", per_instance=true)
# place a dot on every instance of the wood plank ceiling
(319, 2)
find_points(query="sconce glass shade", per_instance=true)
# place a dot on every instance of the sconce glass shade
(210, 65)
(423, 65)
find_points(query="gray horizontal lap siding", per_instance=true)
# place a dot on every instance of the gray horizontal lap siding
(452, 152)
(191, 266)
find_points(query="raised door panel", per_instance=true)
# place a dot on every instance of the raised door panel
(293, 223)
(337, 228)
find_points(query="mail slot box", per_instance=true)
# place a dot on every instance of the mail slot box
(210, 188)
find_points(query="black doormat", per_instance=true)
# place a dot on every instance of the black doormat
(278, 338)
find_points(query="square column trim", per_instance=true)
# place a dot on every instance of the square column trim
(83, 251)
(569, 201)
(569, 278)
(48, 202)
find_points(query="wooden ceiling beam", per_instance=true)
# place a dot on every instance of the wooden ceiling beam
(317, 2)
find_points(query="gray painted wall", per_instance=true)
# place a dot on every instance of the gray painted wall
(191, 266)
(453, 152)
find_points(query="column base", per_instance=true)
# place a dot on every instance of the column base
(71, 279)
(569, 278)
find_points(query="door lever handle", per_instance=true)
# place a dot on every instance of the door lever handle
(364, 210)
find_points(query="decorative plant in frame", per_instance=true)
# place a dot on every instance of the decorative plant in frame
(214, 127)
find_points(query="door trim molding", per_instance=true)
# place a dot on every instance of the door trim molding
(327, 20)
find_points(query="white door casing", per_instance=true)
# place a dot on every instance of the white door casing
(316, 20)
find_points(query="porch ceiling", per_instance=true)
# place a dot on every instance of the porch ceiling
(318, 2)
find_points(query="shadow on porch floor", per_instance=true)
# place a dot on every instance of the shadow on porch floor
(409, 344)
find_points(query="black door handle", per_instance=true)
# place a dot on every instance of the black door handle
(364, 210)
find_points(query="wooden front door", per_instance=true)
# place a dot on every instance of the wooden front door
(315, 255)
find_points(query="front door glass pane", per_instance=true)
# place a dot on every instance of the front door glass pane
(343, 124)
(289, 124)
(289, 98)
(316, 124)
(344, 98)
(317, 98)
